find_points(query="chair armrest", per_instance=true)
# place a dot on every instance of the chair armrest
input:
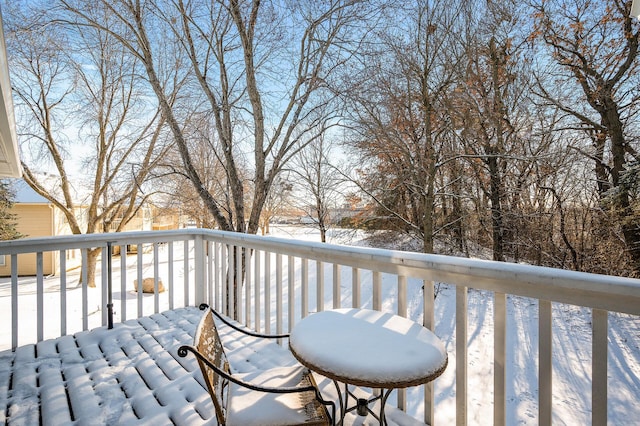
(204, 306)
(182, 351)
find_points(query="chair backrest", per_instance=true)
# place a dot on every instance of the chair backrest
(207, 341)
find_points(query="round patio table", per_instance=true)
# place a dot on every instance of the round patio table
(368, 348)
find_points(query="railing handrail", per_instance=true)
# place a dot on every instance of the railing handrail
(607, 292)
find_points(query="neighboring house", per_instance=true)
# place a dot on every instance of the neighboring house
(149, 217)
(37, 217)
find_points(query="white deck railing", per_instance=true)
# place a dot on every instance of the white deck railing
(286, 279)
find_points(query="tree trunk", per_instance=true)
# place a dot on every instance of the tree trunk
(497, 230)
(92, 260)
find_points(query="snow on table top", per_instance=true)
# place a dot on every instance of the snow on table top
(366, 347)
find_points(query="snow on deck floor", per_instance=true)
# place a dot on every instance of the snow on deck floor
(130, 375)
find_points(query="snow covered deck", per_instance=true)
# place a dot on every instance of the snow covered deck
(130, 375)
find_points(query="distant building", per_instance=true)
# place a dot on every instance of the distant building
(37, 217)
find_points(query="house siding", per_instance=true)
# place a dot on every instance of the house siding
(34, 220)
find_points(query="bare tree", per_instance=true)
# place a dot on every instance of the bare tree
(595, 49)
(492, 110)
(320, 180)
(262, 78)
(239, 52)
(401, 115)
(277, 202)
(79, 100)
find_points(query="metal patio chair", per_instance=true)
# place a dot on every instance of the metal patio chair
(277, 396)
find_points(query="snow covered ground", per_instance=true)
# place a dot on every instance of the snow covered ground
(571, 343)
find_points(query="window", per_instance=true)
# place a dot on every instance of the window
(2, 260)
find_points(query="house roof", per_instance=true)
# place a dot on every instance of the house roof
(9, 154)
(24, 194)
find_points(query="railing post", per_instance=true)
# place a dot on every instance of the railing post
(109, 288)
(104, 287)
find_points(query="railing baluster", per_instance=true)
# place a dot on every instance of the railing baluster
(499, 358)
(85, 278)
(238, 282)
(231, 292)
(377, 290)
(39, 297)
(256, 293)
(185, 263)
(291, 280)
(247, 287)
(402, 311)
(428, 313)
(599, 360)
(545, 364)
(279, 311)
(170, 272)
(319, 286)
(156, 278)
(199, 279)
(140, 279)
(461, 355)
(267, 292)
(304, 286)
(224, 278)
(63, 292)
(123, 283)
(212, 294)
(355, 287)
(14, 301)
(402, 295)
(336, 286)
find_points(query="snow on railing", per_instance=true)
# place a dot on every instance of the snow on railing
(284, 280)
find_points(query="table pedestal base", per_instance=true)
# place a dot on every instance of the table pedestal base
(361, 406)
